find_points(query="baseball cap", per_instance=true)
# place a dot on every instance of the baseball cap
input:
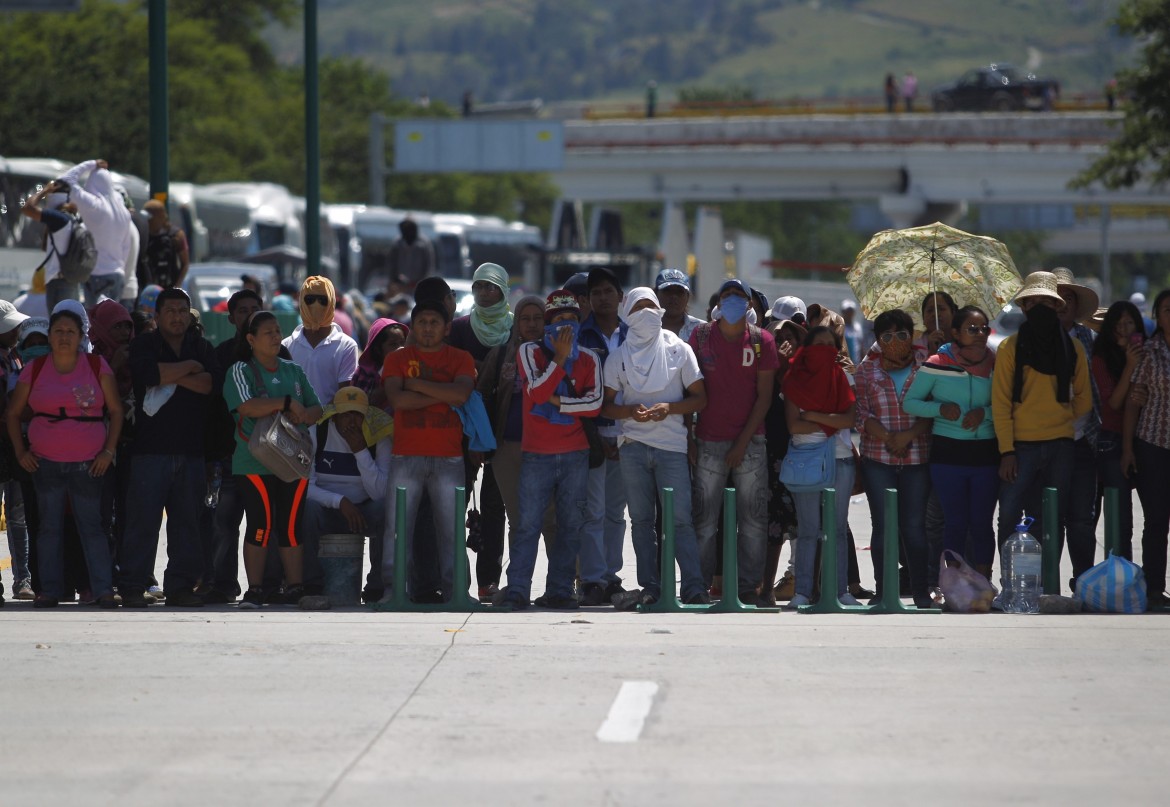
(671, 277)
(33, 325)
(787, 307)
(558, 301)
(10, 318)
(351, 399)
(848, 305)
(734, 283)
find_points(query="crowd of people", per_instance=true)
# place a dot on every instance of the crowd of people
(568, 413)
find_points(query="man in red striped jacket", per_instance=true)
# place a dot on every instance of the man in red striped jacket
(561, 382)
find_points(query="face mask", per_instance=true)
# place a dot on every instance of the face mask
(551, 332)
(33, 353)
(1041, 316)
(733, 309)
(896, 350)
(645, 325)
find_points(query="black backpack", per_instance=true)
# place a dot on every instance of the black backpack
(162, 257)
(80, 256)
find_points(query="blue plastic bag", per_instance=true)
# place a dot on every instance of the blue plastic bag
(1113, 586)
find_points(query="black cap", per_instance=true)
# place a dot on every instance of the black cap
(603, 274)
(432, 289)
(578, 284)
(438, 306)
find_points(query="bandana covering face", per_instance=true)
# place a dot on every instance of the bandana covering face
(546, 410)
(314, 316)
(816, 384)
(645, 351)
(896, 354)
(492, 325)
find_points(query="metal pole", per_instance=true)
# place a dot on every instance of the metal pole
(1050, 545)
(159, 120)
(312, 146)
(890, 602)
(1106, 269)
(377, 158)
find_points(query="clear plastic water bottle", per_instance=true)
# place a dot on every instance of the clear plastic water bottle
(212, 498)
(1022, 554)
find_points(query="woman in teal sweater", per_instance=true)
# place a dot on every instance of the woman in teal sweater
(954, 388)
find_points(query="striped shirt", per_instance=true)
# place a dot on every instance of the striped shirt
(1153, 370)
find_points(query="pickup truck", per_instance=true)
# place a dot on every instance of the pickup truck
(998, 87)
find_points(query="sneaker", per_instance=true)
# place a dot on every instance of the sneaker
(936, 597)
(372, 595)
(593, 594)
(108, 601)
(23, 591)
(923, 602)
(487, 592)
(648, 598)
(861, 592)
(213, 596)
(44, 601)
(698, 598)
(184, 598)
(848, 599)
(428, 598)
(786, 588)
(797, 601)
(613, 589)
(273, 596)
(253, 598)
(293, 594)
(85, 597)
(504, 602)
(749, 598)
(555, 603)
(157, 592)
(627, 600)
(149, 598)
(134, 599)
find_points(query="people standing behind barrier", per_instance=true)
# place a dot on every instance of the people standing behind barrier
(781, 507)
(739, 363)
(105, 215)
(891, 92)
(1146, 448)
(909, 90)
(386, 336)
(1040, 388)
(348, 481)
(261, 383)
(953, 388)
(77, 417)
(674, 295)
(819, 405)
(328, 357)
(1116, 353)
(653, 387)
(60, 219)
(604, 532)
(425, 382)
(167, 255)
(174, 372)
(489, 325)
(561, 382)
(894, 448)
(500, 385)
(1079, 509)
(411, 258)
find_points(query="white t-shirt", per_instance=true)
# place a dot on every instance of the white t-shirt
(669, 434)
(328, 365)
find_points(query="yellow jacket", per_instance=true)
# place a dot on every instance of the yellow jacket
(1039, 416)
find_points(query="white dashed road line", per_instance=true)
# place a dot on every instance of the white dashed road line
(628, 713)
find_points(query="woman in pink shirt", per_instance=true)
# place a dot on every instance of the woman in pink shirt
(76, 418)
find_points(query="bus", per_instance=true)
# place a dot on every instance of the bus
(244, 219)
(365, 236)
(516, 246)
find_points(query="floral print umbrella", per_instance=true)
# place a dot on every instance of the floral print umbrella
(898, 268)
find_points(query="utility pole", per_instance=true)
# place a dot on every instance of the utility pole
(312, 146)
(159, 118)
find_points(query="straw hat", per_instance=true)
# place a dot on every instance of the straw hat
(1040, 284)
(1094, 322)
(1087, 300)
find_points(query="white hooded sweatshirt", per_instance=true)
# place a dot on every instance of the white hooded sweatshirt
(105, 215)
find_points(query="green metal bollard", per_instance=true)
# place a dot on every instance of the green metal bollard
(731, 603)
(1112, 522)
(828, 603)
(891, 602)
(1050, 547)
(461, 600)
(668, 602)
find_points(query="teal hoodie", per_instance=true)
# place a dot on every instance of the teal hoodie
(944, 380)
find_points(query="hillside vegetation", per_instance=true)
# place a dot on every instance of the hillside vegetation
(608, 49)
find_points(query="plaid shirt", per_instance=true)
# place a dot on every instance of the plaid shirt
(877, 398)
(1153, 370)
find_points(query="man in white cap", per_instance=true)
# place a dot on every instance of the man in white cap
(1040, 388)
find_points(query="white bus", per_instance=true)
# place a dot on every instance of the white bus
(365, 236)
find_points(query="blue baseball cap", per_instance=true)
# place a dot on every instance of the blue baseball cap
(739, 285)
(671, 277)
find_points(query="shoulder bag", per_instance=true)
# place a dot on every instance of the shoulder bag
(279, 445)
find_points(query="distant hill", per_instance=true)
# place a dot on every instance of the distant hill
(608, 49)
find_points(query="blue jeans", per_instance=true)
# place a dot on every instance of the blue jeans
(1039, 465)
(913, 485)
(110, 285)
(646, 470)
(808, 530)
(565, 478)
(1109, 472)
(604, 531)
(57, 482)
(321, 520)
(177, 483)
(968, 494)
(59, 289)
(438, 476)
(17, 531)
(751, 505)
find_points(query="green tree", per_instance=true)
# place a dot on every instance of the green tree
(1142, 150)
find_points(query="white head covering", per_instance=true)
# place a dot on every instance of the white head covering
(78, 309)
(646, 348)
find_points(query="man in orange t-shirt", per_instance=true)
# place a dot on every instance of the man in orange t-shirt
(424, 382)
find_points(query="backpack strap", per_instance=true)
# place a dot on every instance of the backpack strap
(756, 337)
(95, 366)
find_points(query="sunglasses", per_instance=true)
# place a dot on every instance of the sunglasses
(978, 330)
(901, 336)
(320, 299)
